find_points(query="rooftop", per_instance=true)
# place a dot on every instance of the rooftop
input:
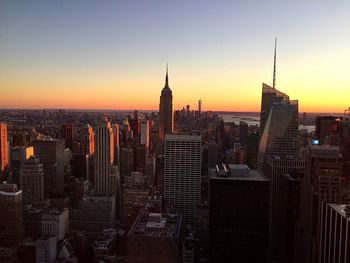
(240, 172)
(341, 209)
(156, 225)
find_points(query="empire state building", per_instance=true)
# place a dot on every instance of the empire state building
(166, 117)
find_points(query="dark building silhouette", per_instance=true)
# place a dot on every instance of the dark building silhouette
(68, 132)
(327, 128)
(238, 215)
(322, 183)
(166, 116)
(335, 233)
(11, 223)
(51, 154)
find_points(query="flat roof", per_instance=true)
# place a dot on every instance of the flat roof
(156, 225)
(254, 175)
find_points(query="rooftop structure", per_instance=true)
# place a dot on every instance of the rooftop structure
(154, 237)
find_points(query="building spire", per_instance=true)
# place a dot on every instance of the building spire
(166, 76)
(274, 66)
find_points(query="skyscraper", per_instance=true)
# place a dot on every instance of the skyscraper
(182, 175)
(88, 140)
(145, 133)
(116, 130)
(4, 158)
(200, 107)
(335, 233)
(238, 215)
(166, 117)
(11, 224)
(278, 154)
(18, 155)
(68, 132)
(32, 181)
(104, 155)
(51, 154)
(322, 183)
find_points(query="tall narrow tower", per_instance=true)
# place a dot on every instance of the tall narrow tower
(104, 155)
(166, 117)
(4, 158)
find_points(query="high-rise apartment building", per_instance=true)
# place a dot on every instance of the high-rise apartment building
(104, 155)
(4, 158)
(166, 116)
(11, 224)
(32, 181)
(182, 175)
(51, 154)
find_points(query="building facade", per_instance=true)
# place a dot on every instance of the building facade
(182, 175)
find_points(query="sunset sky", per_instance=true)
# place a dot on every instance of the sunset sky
(112, 54)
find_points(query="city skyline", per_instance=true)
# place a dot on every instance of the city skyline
(86, 55)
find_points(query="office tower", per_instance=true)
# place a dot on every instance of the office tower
(289, 212)
(335, 233)
(4, 158)
(238, 215)
(46, 249)
(278, 154)
(326, 130)
(68, 132)
(243, 133)
(78, 187)
(80, 164)
(32, 221)
(322, 183)
(200, 107)
(18, 155)
(126, 161)
(88, 144)
(280, 136)
(11, 224)
(182, 175)
(54, 222)
(145, 133)
(154, 237)
(51, 154)
(166, 116)
(135, 126)
(150, 169)
(32, 181)
(139, 157)
(104, 155)
(96, 212)
(213, 154)
(187, 110)
(116, 131)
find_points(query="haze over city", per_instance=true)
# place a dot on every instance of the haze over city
(113, 54)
